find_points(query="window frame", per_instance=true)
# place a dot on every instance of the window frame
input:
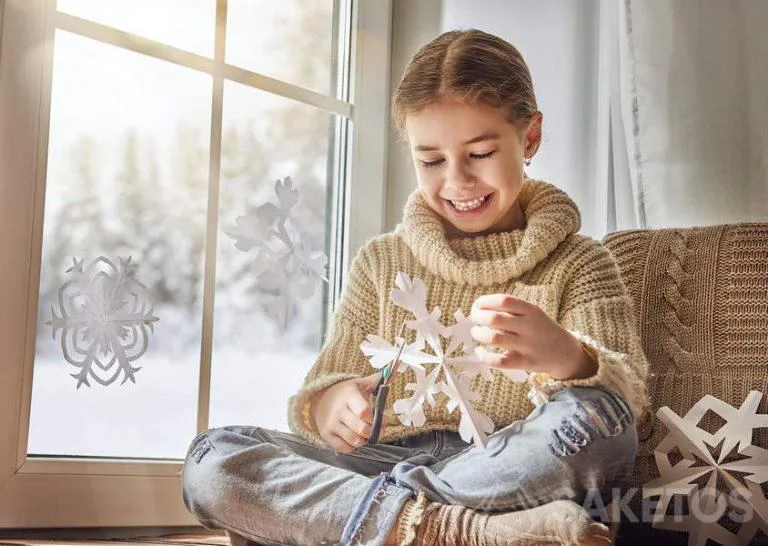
(38, 492)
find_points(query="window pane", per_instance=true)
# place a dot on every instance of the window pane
(259, 357)
(186, 24)
(127, 177)
(291, 40)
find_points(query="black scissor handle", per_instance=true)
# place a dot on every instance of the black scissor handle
(378, 413)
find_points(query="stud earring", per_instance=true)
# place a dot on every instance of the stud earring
(527, 161)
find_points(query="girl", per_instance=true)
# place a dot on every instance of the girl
(503, 248)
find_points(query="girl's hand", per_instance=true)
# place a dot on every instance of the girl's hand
(530, 339)
(343, 413)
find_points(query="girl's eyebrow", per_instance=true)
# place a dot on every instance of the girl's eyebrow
(479, 138)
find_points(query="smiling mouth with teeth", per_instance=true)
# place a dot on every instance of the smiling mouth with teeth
(472, 204)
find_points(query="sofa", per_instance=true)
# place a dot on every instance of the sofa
(700, 298)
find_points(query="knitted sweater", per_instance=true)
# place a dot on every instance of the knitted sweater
(571, 277)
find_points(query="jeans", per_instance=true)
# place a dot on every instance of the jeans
(275, 487)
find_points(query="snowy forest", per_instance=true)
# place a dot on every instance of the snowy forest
(161, 224)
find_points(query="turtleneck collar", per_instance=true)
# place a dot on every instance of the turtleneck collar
(550, 214)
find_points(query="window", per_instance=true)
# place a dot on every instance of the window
(135, 140)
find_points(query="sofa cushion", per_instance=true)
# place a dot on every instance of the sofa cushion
(701, 302)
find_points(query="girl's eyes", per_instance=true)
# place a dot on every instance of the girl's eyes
(483, 156)
(434, 163)
(437, 162)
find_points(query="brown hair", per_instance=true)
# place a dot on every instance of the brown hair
(467, 66)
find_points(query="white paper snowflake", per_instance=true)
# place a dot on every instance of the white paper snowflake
(678, 479)
(286, 264)
(105, 320)
(455, 364)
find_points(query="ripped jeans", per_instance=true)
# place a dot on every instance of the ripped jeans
(275, 487)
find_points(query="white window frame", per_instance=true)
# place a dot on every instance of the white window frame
(71, 492)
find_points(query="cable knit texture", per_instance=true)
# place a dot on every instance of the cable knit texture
(571, 277)
(700, 295)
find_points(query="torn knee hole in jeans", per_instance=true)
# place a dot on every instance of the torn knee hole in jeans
(382, 492)
(595, 419)
(411, 513)
(380, 488)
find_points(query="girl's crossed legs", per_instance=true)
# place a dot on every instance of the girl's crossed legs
(275, 487)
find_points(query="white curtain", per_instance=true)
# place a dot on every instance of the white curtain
(683, 113)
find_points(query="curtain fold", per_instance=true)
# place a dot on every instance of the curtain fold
(687, 114)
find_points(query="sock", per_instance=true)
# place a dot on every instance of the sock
(559, 522)
(410, 518)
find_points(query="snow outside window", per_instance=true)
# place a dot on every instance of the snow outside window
(163, 133)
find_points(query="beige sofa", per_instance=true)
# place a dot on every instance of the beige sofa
(701, 302)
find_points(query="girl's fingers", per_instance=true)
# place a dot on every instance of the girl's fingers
(495, 319)
(491, 336)
(350, 440)
(502, 302)
(511, 359)
(356, 424)
(489, 357)
(339, 444)
(362, 407)
(350, 436)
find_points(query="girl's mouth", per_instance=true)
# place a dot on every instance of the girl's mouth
(473, 207)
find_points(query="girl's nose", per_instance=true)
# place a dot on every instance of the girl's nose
(457, 174)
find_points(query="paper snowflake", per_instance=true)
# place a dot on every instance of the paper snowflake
(287, 265)
(455, 363)
(692, 443)
(105, 320)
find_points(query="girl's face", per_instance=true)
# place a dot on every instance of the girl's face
(469, 165)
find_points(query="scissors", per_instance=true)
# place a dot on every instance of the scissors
(382, 391)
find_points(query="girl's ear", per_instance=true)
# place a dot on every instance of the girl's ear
(533, 134)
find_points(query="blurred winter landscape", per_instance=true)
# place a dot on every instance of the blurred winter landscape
(128, 176)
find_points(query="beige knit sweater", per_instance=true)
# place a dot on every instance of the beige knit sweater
(572, 277)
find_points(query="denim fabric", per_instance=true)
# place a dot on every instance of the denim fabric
(275, 487)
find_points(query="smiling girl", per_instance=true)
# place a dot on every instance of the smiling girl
(505, 249)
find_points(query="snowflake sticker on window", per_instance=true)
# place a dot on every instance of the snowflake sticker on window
(104, 319)
(458, 362)
(289, 267)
